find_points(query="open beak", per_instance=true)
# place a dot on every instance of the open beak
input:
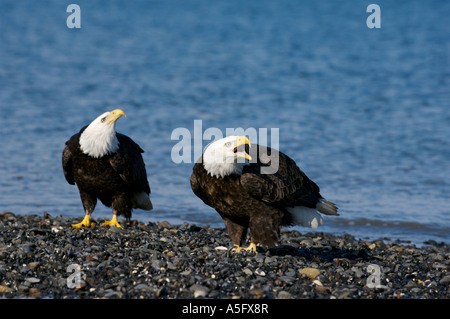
(240, 150)
(115, 115)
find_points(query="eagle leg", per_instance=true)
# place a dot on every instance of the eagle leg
(85, 222)
(112, 222)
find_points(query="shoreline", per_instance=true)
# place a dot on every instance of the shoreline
(41, 257)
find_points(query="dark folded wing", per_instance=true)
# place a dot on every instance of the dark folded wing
(129, 164)
(67, 159)
(286, 187)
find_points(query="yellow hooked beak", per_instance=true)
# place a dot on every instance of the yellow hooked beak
(242, 140)
(115, 115)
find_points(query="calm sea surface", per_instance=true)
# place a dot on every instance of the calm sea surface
(364, 112)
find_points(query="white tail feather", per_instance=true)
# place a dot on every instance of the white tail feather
(305, 216)
(326, 207)
(141, 200)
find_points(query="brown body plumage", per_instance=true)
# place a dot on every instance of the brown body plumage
(259, 202)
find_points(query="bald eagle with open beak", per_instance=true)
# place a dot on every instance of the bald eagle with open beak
(108, 166)
(261, 190)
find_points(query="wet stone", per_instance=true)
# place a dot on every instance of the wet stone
(161, 260)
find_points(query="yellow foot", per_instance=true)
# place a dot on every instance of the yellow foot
(237, 248)
(85, 222)
(112, 222)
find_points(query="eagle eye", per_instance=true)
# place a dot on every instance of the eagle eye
(103, 119)
(227, 144)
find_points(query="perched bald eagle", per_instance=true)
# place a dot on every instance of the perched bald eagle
(250, 195)
(108, 166)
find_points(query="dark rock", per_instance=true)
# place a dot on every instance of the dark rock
(160, 260)
(445, 280)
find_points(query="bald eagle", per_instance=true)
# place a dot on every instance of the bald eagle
(108, 166)
(249, 195)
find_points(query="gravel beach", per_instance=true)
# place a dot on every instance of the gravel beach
(41, 257)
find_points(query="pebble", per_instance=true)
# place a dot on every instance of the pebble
(33, 265)
(310, 272)
(199, 291)
(223, 248)
(284, 295)
(4, 289)
(248, 272)
(260, 272)
(32, 280)
(445, 280)
(161, 260)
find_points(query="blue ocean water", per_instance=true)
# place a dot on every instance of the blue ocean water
(364, 112)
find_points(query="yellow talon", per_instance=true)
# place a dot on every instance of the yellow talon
(85, 222)
(112, 222)
(237, 248)
(251, 247)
